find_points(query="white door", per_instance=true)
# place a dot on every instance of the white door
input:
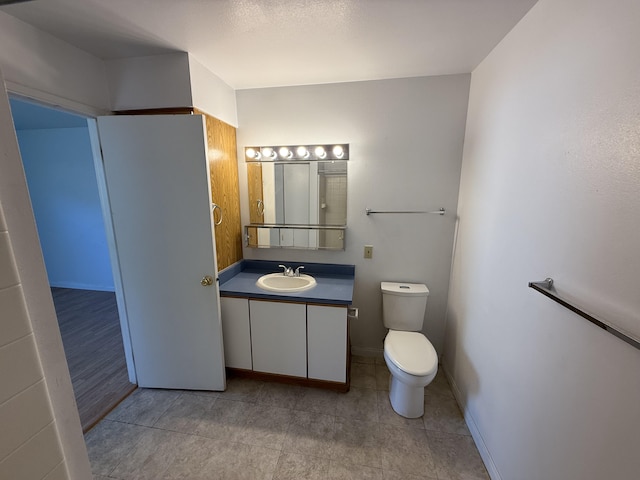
(157, 179)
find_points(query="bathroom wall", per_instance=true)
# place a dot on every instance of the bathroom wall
(40, 66)
(551, 187)
(27, 260)
(406, 138)
(58, 164)
(28, 427)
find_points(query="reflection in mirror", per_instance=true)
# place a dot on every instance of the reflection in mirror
(300, 193)
(287, 236)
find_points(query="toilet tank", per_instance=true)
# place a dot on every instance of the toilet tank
(403, 305)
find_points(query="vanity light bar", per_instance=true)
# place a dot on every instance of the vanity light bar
(286, 153)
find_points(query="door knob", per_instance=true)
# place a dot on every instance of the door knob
(206, 281)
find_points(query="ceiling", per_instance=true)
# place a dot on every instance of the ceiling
(266, 43)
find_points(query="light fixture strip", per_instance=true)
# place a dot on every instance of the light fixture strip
(293, 153)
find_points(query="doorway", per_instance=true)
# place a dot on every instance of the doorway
(58, 162)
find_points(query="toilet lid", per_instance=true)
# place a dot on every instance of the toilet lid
(411, 352)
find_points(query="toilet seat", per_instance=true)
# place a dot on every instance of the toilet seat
(411, 352)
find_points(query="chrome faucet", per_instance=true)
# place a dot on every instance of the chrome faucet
(297, 273)
(288, 271)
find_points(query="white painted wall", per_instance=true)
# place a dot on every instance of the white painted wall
(157, 81)
(405, 139)
(551, 187)
(211, 94)
(21, 348)
(42, 67)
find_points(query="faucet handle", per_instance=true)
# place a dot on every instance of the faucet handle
(286, 269)
(297, 274)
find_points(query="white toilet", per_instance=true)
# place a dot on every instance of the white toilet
(410, 357)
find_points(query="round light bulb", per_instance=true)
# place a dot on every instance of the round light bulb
(250, 153)
(285, 152)
(338, 151)
(302, 152)
(320, 152)
(268, 152)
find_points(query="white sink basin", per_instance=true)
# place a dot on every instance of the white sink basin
(277, 282)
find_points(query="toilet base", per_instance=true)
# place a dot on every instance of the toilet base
(405, 400)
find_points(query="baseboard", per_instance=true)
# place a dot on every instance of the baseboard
(82, 286)
(367, 351)
(473, 428)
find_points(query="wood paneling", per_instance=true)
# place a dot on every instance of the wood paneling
(254, 180)
(223, 162)
(90, 330)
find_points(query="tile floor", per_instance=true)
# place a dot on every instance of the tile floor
(257, 430)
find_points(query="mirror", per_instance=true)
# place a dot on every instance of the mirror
(297, 196)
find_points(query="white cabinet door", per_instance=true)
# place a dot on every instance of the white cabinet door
(279, 337)
(157, 179)
(327, 342)
(236, 332)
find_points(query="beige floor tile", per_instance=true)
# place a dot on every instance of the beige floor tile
(456, 457)
(153, 454)
(144, 406)
(379, 360)
(439, 385)
(186, 413)
(392, 475)
(216, 459)
(108, 442)
(363, 359)
(382, 377)
(338, 471)
(310, 434)
(265, 426)
(388, 416)
(293, 466)
(280, 395)
(358, 404)
(318, 401)
(442, 414)
(242, 389)
(356, 442)
(225, 420)
(406, 450)
(363, 375)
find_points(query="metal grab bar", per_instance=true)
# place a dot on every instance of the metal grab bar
(545, 287)
(368, 211)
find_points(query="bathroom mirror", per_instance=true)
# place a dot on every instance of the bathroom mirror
(305, 193)
(297, 196)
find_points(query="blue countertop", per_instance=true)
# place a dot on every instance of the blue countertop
(334, 283)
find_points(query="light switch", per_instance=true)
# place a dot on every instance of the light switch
(368, 251)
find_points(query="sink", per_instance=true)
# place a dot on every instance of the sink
(277, 282)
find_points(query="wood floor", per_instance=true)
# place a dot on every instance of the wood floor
(92, 340)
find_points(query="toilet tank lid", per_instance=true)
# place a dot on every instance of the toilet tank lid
(408, 289)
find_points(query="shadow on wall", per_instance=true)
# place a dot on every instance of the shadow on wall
(462, 364)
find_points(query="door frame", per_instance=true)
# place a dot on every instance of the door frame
(27, 252)
(103, 192)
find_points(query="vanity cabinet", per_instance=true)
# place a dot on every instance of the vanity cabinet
(236, 332)
(327, 342)
(272, 339)
(279, 337)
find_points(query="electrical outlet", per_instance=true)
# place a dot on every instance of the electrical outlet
(368, 251)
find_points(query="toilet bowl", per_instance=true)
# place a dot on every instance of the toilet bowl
(410, 357)
(413, 363)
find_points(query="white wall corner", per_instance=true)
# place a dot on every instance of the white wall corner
(44, 68)
(211, 94)
(473, 427)
(156, 81)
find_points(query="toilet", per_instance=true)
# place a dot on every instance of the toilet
(410, 357)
